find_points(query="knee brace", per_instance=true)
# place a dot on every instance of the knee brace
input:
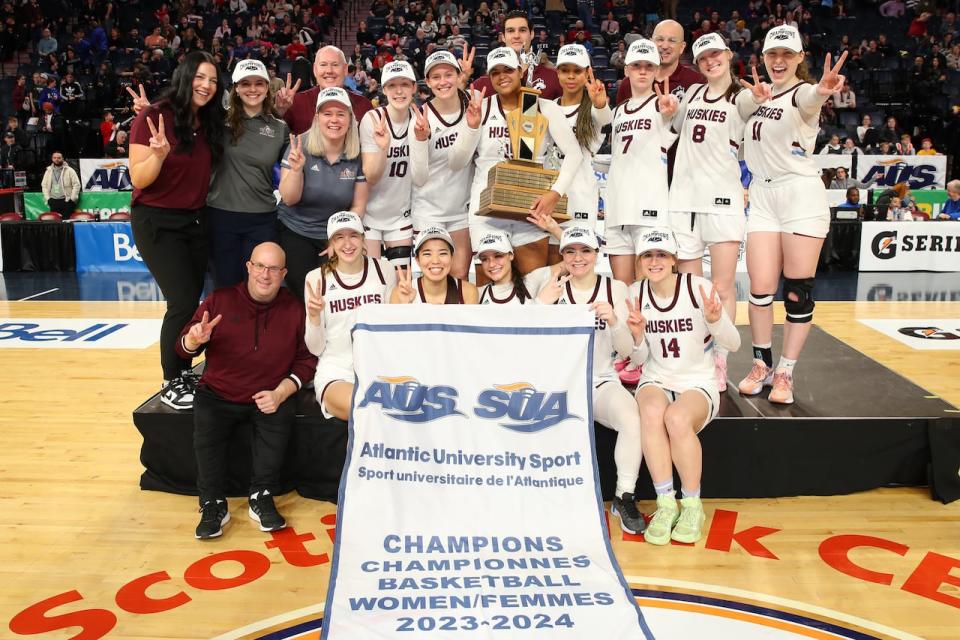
(761, 299)
(801, 309)
(398, 256)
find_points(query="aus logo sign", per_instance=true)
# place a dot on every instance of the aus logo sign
(112, 176)
(520, 407)
(404, 398)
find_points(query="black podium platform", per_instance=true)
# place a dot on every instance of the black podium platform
(856, 425)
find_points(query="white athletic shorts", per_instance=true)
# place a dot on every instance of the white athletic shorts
(326, 375)
(794, 204)
(709, 392)
(450, 225)
(391, 235)
(519, 232)
(697, 231)
(622, 240)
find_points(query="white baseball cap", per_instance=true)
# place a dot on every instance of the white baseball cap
(579, 235)
(333, 94)
(503, 55)
(440, 57)
(642, 50)
(709, 42)
(783, 37)
(248, 68)
(397, 69)
(657, 239)
(344, 220)
(494, 241)
(432, 233)
(575, 54)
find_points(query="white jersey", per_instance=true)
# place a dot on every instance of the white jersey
(778, 142)
(388, 207)
(506, 293)
(342, 295)
(706, 174)
(604, 342)
(637, 191)
(681, 346)
(445, 194)
(583, 197)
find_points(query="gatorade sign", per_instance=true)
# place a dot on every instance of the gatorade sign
(106, 246)
(924, 334)
(78, 333)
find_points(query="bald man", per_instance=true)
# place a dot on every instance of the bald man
(329, 70)
(668, 36)
(256, 361)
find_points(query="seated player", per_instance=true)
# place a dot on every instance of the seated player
(433, 252)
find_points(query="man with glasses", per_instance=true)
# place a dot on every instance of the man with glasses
(256, 361)
(668, 36)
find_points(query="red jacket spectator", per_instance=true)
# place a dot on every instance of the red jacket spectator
(918, 28)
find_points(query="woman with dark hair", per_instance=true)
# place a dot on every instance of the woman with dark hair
(174, 143)
(433, 252)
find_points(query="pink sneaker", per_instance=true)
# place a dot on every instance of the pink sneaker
(620, 364)
(759, 377)
(720, 370)
(782, 392)
(630, 377)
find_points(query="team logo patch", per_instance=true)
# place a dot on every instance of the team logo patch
(403, 398)
(347, 173)
(267, 131)
(521, 407)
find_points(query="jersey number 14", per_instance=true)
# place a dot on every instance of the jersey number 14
(673, 347)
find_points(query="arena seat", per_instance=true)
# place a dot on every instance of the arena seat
(82, 216)
(10, 216)
(119, 216)
(50, 216)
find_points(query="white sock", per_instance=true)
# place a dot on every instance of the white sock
(786, 365)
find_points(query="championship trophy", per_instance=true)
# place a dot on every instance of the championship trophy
(514, 185)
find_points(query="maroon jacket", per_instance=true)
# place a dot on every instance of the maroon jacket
(255, 345)
(300, 114)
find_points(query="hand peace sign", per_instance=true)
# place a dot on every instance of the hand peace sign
(667, 103)
(831, 81)
(635, 320)
(712, 307)
(761, 90)
(596, 90)
(466, 60)
(159, 144)
(380, 134)
(139, 100)
(314, 304)
(284, 97)
(421, 126)
(475, 107)
(296, 158)
(405, 291)
(552, 291)
(200, 333)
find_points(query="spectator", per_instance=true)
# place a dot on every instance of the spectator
(21, 136)
(578, 28)
(845, 99)
(10, 154)
(918, 27)
(832, 146)
(951, 208)
(884, 200)
(296, 48)
(850, 147)
(60, 186)
(852, 201)
(953, 58)
(72, 96)
(254, 369)
(610, 29)
(629, 26)
(828, 117)
(842, 180)
(156, 41)
(617, 58)
(885, 148)
(542, 43)
(890, 132)
(896, 212)
(21, 97)
(668, 36)
(50, 94)
(892, 9)
(926, 148)
(905, 146)
(866, 134)
(117, 148)
(47, 44)
(739, 36)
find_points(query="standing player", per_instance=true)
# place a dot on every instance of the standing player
(487, 137)
(789, 214)
(333, 293)
(641, 136)
(676, 326)
(441, 195)
(706, 195)
(584, 102)
(612, 405)
(434, 253)
(386, 164)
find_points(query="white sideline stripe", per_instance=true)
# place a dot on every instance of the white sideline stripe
(37, 295)
(269, 622)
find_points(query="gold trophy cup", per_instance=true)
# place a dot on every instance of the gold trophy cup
(514, 185)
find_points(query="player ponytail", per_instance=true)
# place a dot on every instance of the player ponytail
(733, 89)
(803, 72)
(585, 128)
(519, 286)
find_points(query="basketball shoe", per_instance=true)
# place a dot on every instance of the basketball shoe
(759, 377)
(625, 508)
(660, 527)
(264, 512)
(689, 527)
(782, 392)
(213, 515)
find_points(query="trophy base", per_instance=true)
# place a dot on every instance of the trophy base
(513, 187)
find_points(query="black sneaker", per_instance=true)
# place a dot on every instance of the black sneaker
(178, 393)
(264, 512)
(625, 508)
(213, 516)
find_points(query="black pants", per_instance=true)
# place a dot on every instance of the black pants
(173, 244)
(302, 257)
(214, 420)
(233, 235)
(62, 206)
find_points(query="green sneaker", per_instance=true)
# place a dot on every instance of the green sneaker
(689, 527)
(658, 531)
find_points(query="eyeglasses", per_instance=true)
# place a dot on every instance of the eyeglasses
(260, 268)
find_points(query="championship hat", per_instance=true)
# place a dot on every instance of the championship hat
(642, 50)
(574, 54)
(579, 235)
(250, 68)
(344, 220)
(503, 55)
(494, 241)
(432, 233)
(397, 69)
(783, 37)
(657, 238)
(440, 57)
(709, 42)
(333, 94)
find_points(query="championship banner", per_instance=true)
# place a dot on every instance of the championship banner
(100, 203)
(469, 504)
(882, 172)
(105, 174)
(910, 246)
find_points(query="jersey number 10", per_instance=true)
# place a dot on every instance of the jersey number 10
(398, 169)
(673, 347)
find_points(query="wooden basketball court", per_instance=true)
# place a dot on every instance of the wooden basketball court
(83, 546)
